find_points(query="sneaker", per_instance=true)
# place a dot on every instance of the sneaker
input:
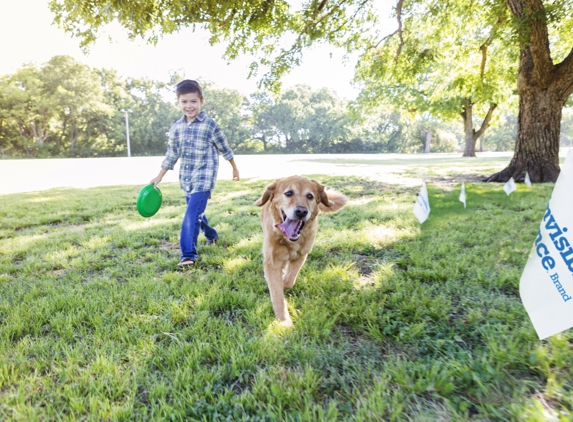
(211, 241)
(186, 262)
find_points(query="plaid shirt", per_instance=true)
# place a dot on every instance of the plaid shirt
(198, 145)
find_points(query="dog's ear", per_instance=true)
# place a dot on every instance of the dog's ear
(322, 194)
(268, 194)
(330, 201)
(336, 200)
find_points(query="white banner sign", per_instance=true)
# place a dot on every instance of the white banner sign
(546, 285)
(510, 186)
(422, 206)
(528, 180)
(463, 194)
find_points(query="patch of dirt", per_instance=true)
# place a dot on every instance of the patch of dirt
(449, 182)
(170, 246)
(365, 264)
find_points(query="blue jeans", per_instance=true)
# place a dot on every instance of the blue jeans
(193, 221)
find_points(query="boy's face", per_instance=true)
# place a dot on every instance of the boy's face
(190, 104)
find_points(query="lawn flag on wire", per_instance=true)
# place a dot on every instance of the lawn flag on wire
(463, 194)
(422, 206)
(510, 186)
(546, 285)
(528, 180)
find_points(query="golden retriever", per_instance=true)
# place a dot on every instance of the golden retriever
(290, 221)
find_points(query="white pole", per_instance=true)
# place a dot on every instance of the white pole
(127, 134)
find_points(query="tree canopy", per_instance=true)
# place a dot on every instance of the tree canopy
(274, 32)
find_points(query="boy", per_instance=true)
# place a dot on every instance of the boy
(197, 140)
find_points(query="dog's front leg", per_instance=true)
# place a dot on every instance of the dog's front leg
(273, 274)
(292, 269)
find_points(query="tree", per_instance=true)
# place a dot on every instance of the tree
(117, 97)
(524, 31)
(64, 108)
(261, 120)
(228, 108)
(328, 121)
(151, 116)
(543, 87)
(28, 109)
(432, 64)
(8, 131)
(301, 120)
(76, 95)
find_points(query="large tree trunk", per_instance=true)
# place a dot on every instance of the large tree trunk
(543, 89)
(537, 144)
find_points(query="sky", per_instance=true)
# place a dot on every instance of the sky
(27, 35)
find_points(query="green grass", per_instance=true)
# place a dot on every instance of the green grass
(393, 320)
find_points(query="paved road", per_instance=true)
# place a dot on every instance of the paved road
(36, 175)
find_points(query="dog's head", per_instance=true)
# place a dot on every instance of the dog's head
(295, 200)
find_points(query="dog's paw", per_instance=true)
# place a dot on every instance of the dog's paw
(286, 323)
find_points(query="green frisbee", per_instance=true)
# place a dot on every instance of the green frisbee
(148, 201)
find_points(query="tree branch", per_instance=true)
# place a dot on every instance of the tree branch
(564, 72)
(485, 123)
(516, 7)
(483, 49)
(399, 30)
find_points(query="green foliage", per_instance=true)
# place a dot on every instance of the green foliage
(64, 108)
(387, 130)
(151, 116)
(393, 320)
(77, 97)
(274, 32)
(442, 60)
(227, 107)
(301, 120)
(501, 136)
(26, 113)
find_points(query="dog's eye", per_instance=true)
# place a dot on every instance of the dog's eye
(289, 193)
(310, 196)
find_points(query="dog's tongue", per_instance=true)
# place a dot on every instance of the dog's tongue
(289, 228)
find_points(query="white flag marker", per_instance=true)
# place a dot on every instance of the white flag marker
(463, 194)
(528, 180)
(510, 186)
(422, 206)
(546, 285)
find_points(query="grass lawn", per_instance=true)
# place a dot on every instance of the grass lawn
(392, 320)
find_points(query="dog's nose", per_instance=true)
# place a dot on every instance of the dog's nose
(300, 212)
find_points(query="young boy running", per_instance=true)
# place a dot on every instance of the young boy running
(197, 140)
